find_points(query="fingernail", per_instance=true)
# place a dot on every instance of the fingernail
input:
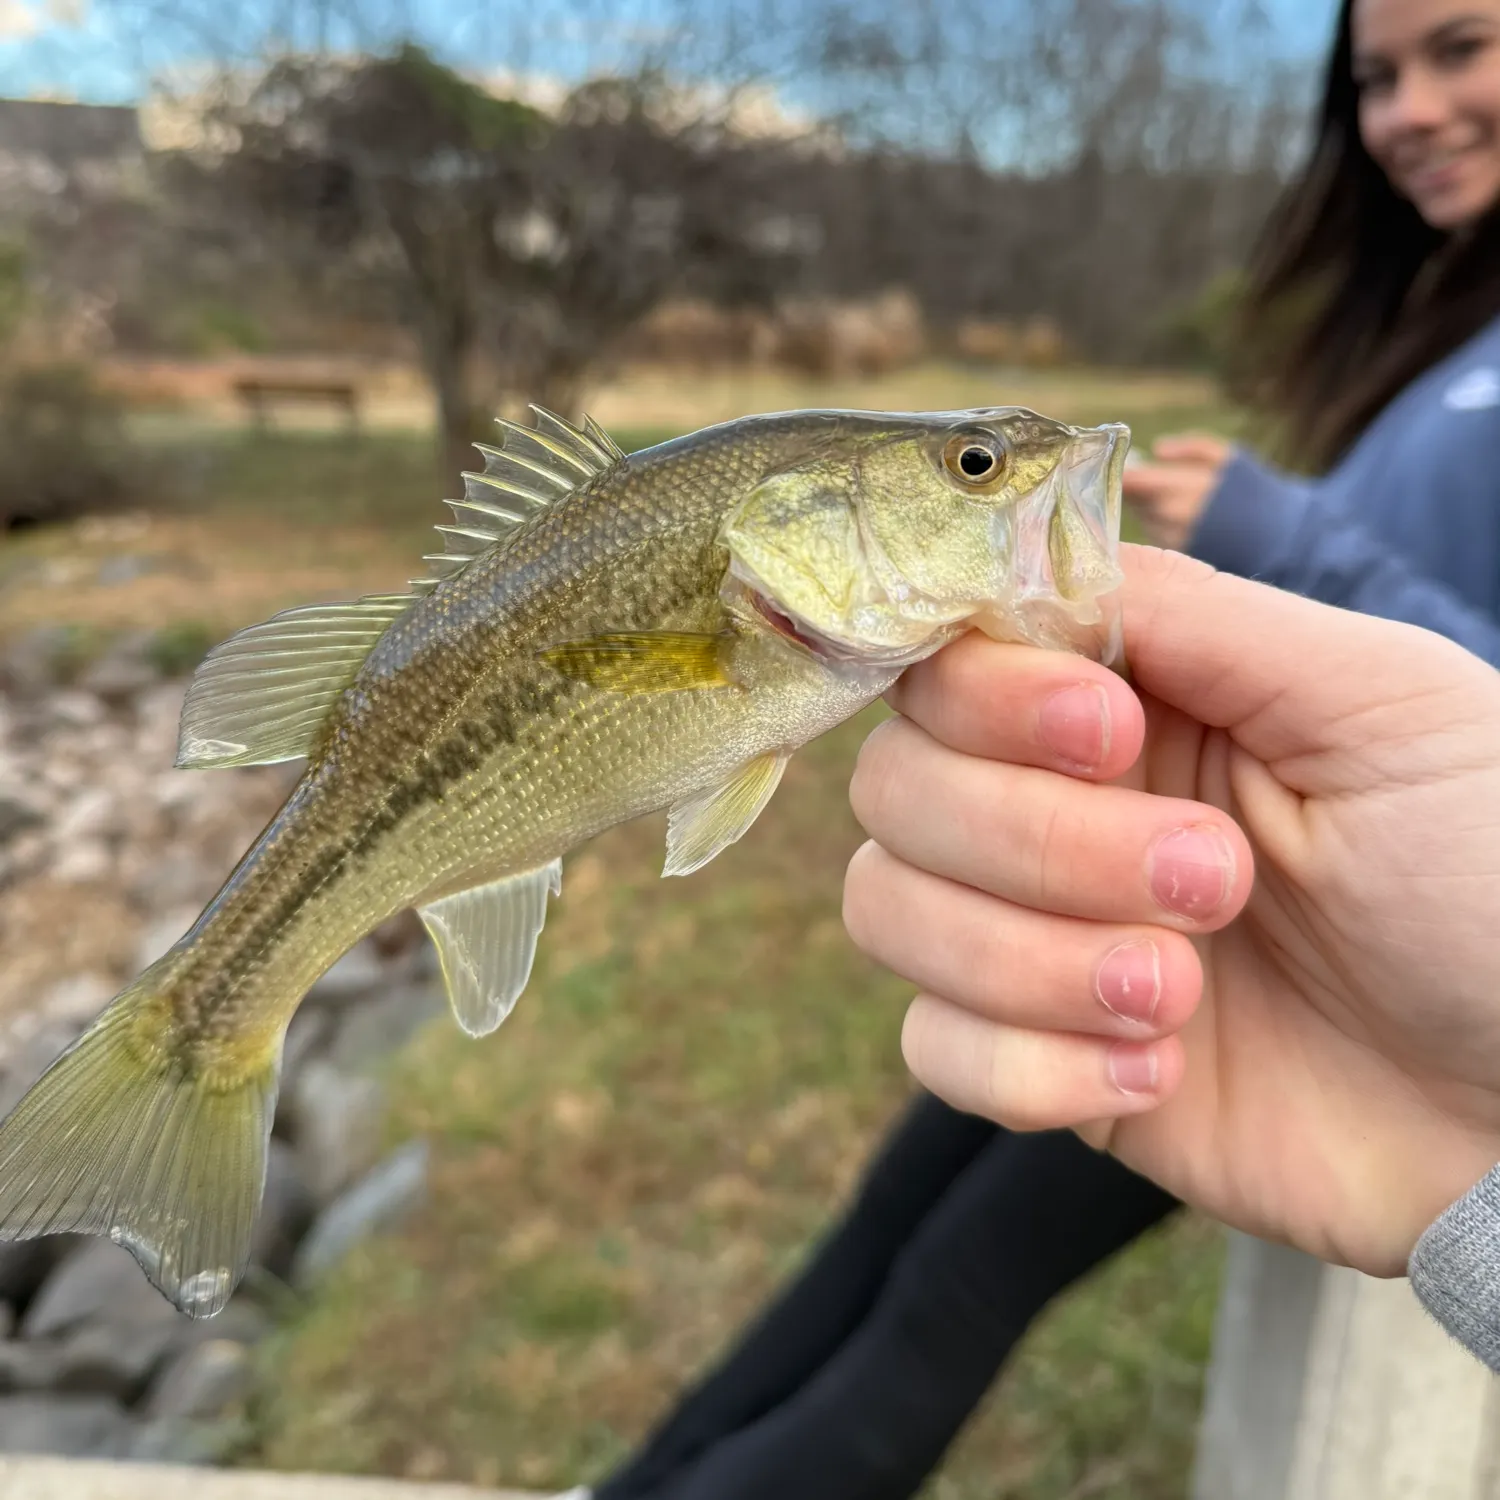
(1190, 871)
(1128, 982)
(1133, 1069)
(1074, 724)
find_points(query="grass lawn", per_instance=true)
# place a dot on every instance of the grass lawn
(688, 1089)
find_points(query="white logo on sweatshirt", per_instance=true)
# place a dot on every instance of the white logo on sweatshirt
(1474, 390)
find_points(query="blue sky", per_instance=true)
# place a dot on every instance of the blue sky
(89, 50)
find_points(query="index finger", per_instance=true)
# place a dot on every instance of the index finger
(1025, 705)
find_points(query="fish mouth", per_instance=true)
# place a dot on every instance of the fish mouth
(1065, 590)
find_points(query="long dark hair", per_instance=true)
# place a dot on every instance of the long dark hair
(1351, 294)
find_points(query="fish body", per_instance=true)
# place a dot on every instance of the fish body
(606, 636)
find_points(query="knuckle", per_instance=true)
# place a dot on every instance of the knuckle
(979, 954)
(862, 894)
(876, 786)
(1059, 838)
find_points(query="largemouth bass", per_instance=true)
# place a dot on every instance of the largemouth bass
(603, 637)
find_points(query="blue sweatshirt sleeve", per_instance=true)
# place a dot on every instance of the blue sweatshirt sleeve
(1266, 525)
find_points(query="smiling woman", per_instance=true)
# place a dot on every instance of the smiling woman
(1429, 104)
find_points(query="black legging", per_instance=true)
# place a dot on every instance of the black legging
(856, 1379)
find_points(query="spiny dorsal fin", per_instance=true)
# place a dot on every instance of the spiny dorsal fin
(532, 467)
(262, 695)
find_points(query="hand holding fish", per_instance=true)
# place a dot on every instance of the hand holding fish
(1316, 1060)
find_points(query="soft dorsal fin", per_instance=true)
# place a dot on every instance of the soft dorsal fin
(262, 695)
(532, 467)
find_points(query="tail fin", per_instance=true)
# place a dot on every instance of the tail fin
(119, 1138)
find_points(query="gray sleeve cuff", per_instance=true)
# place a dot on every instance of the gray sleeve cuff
(1455, 1269)
(1250, 519)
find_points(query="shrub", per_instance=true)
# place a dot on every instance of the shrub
(63, 448)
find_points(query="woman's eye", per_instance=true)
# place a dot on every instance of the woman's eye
(1458, 52)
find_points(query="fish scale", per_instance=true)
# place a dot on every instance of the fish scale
(607, 636)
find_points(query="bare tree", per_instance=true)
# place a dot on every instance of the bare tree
(518, 243)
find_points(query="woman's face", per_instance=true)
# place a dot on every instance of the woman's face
(1428, 75)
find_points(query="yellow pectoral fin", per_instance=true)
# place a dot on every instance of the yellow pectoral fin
(646, 661)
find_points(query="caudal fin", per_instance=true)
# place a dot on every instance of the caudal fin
(119, 1138)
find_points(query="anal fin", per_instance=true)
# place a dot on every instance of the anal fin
(701, 826)
(486, 942)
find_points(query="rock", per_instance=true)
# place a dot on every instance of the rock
(76, 709)
(62, 776)
(98, 1279)
(336, 1121)
(7, 1320)
(82, 863)
(25, 1264)
(202, 1381)
(285, 1211)
(77, 999)
(92, 814)
(124, 670)
(17, 814)
(74, 1426)
(175, 789)
(178, 1440)
(308, 1030)
(30, 663)
(373, 1028)
(126, 567)
(108, 1359)
(380, 1200)
(159, 708)
(172, 878)
(161, 933)
(28, 853)
(357, 973)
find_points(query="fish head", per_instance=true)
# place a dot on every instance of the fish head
(900, 532)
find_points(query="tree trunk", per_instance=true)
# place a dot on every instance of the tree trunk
(446, 353)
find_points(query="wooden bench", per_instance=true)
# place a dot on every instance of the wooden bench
(259, 392)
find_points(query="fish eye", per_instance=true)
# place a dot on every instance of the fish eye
(976, 459)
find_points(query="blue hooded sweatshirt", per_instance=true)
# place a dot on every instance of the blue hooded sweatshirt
(1406, 526)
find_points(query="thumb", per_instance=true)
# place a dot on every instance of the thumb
(1279, 671)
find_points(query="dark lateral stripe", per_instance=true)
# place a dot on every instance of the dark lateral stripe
(506, 714)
